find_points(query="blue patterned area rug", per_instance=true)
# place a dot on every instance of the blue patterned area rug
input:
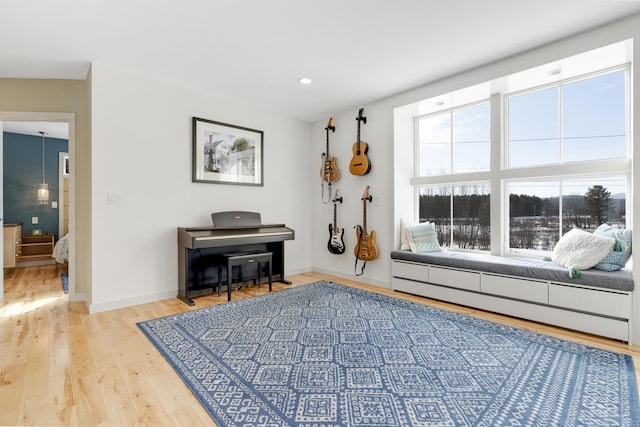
(324, 354)
(64, 277)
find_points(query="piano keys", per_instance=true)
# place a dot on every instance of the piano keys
(199, 249)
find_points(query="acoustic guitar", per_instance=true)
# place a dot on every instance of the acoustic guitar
(336, 242)
(329, 171)
(365, 249)
(360, 164)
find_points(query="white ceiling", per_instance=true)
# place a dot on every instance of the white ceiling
(254, 51)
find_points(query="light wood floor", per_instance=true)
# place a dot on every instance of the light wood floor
(61, 366)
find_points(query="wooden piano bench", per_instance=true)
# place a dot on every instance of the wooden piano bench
(234, 259)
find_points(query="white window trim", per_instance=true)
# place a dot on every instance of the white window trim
(498, 177)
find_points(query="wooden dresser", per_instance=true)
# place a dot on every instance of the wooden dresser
(12, 243)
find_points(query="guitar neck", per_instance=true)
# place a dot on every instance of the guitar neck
(364, 217)
(327, 143)
(335, 216)
(359, 119)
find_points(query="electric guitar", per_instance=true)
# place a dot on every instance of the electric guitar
(335, 243)
(360, 164)
(366, 249)
(329, 171)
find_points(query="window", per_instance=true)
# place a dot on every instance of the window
(569, 122)
(455, 141)
(535, 223)
(460, 214)
(574, 121)
(510, 165)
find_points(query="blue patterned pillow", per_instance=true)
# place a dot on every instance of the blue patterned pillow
(615, 260)
(422, 238)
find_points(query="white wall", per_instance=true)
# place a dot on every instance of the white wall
(378, 134)
(141, 149)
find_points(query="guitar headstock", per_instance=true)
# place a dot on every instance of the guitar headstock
(360, 117)
(366, 195)
(330, 127)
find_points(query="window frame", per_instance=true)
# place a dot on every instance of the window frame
(559, 84)
(499, 174)
(450, 111)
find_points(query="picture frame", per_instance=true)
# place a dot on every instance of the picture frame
(227, 154)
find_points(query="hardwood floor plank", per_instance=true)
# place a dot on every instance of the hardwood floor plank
(63, 366)
(118, 404)
(89, 403)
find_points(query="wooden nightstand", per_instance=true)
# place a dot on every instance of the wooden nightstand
(36, 247)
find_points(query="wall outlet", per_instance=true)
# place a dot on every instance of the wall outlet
(34, 220)
(54, 205)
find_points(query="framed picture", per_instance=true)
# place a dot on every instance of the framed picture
(226, 154)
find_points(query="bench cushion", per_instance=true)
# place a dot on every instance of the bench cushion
(520, 267)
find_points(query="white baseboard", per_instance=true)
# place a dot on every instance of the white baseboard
(295, 271)
(361, 279)
(78, 298)
(145, 299)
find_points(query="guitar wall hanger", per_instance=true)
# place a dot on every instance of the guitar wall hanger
(331, 127)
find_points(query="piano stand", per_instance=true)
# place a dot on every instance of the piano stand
(240, 259)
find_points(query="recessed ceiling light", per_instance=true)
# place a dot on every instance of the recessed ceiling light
(305, 81)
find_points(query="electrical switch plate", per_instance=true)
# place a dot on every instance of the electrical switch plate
(34, 220)
(114, 198)
(54, 205)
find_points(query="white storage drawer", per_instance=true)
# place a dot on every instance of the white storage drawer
(455, 278)
(407, 270)
(593, 301)
(510, 287)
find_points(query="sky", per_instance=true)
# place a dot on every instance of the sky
(587, 115)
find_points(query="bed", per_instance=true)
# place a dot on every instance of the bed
(61, 250)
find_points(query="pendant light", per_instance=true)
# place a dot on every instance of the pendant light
(43, 188)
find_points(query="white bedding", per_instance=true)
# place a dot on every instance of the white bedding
(61, 250)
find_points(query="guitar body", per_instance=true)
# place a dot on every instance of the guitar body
(360, 164)
(336, 242)
(366, 249)
(329, 172)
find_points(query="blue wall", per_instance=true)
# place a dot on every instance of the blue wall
(22, 168)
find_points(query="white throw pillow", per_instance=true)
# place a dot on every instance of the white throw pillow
(422, 238)
(404, 234)
(579, 250)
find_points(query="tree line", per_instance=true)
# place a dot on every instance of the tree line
(534, 221)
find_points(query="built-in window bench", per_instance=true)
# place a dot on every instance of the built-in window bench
(598, 302)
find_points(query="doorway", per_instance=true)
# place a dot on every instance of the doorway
(69, 119)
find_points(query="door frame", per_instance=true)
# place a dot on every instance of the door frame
(70, 119)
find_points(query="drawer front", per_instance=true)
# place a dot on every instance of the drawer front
(407, 270)
(454, 278)
(528, 290)
(593, 301)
